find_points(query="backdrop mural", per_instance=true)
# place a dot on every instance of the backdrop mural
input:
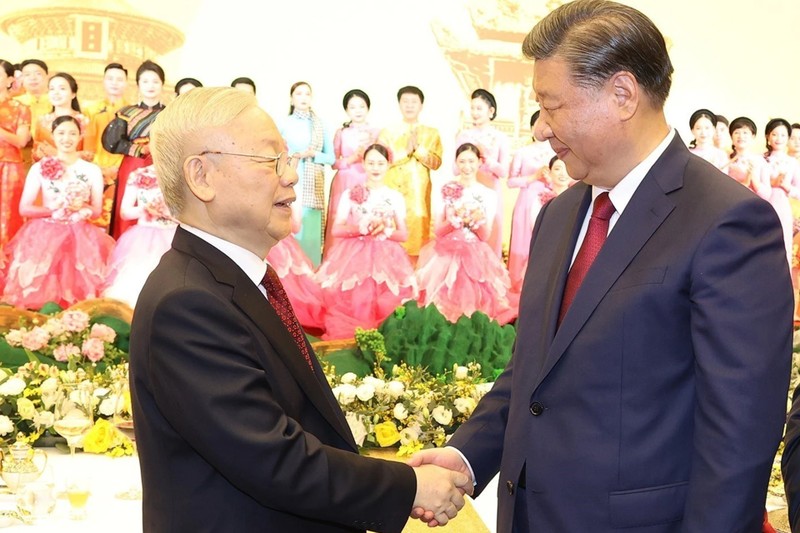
(731, 60)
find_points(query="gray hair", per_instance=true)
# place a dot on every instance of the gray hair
(599, 38)
(183, 121)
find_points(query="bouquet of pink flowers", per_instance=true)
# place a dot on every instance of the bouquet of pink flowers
(467, 213)
(74, 207)
(380, 216)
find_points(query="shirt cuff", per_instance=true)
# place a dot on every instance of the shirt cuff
(466, 462)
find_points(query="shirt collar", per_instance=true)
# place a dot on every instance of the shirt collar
(622, 193)
(253, 266)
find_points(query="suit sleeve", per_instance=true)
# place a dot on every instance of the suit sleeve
(741, 328)
(209, 383)
(790, 462)
(480, 439)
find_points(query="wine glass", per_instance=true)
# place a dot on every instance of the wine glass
(73, 413)
(123, 421)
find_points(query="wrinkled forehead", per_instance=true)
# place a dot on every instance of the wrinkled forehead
(253, 131)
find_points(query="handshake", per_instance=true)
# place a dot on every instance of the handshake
(442, 480)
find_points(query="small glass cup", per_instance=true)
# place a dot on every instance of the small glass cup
(78, 491)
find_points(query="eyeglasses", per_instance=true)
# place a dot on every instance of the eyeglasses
(282, 160)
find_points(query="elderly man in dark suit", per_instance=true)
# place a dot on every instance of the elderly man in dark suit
(647, 391)
(236, 426)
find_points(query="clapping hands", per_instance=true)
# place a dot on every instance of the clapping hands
(442, 481)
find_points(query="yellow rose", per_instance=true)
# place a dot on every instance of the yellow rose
(387, 434)
(99, 438)
(26, 409)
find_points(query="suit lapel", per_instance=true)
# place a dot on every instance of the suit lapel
(256, 307)
(646, 211)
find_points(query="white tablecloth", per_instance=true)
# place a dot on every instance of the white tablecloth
(105, 512)
(111, 476)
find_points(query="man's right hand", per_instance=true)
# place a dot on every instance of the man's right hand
(449, 459)
(440, 493)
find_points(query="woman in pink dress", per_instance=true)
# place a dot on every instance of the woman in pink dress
(141, 246)
(349, 143)
(15, 132)
(703, 124)
(296, 272)
(783, 172)
(526, 175)
(495, 148)
(458, 271)
(747, 167)
(557, 180)
(58, 255)
(367, 273)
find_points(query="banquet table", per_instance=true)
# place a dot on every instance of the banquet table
(106, 476)
(109, 477)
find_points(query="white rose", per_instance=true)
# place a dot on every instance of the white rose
(108, 406)
(101, 392)
(377, 384)
(442, 415)
(465, 406)
(410, 434)
(6, 426)
(400, 412)
(483, 388)
(461, 372)
(44, 419)
(49, 399)
(345, 394)
(49, 385)
(12, 387)
(26, 409)
(357, 427)
(349, 378)
(365, 392)
(395, 389)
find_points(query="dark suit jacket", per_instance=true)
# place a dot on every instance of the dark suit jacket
(790, 462)
(657, 406)
(234, 431)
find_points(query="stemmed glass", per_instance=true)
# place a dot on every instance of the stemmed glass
(73, 413)
(123, 421)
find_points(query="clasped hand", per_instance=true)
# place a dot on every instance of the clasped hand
(442, 481)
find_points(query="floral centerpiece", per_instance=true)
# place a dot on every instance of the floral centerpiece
(411, 407)
(69, 348)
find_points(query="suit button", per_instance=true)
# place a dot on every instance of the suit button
(510, 487)
(537, 408)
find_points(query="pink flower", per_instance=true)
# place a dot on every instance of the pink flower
(65, 351)
(546, 195)
(452, 191)
(14, 337)
(51, 168)
(93, 349)
(35, 339)
(145, 178)
(359, 194)
(103, 332)
(75, 321)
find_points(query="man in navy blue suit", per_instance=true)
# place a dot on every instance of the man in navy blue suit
(651, 397)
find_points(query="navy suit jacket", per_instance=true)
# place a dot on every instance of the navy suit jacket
(658, 404)
(234, 431)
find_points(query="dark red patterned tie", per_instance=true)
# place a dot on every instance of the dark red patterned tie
(280, 302)
(592, 242)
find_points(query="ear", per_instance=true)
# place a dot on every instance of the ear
(626, 94)
(198, 179)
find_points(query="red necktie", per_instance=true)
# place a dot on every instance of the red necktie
(592, 242)
(280, 302)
